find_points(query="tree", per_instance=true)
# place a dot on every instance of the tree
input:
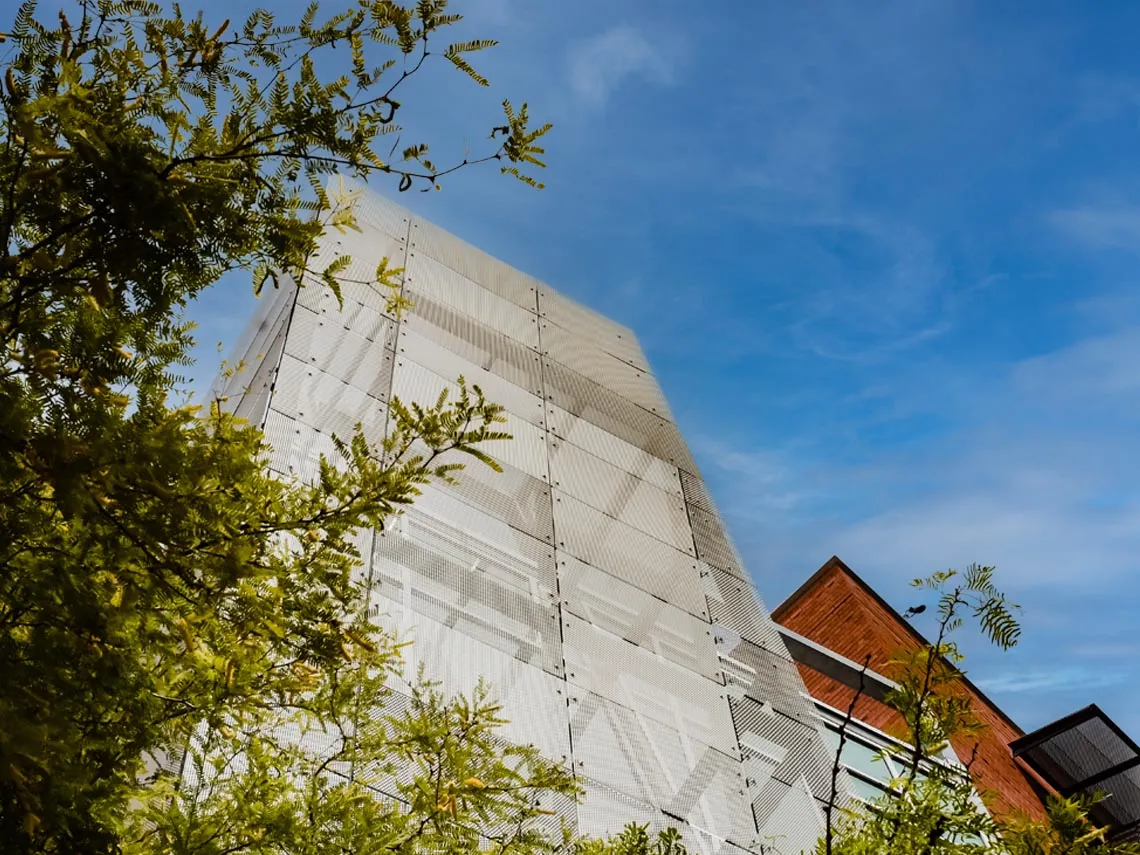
(160, 592)
(935, 808)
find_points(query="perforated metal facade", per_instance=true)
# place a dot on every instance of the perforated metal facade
(592, 581)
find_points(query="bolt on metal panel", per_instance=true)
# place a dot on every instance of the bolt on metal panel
(803, 756)
(655, 764)
(604, 811)
(712, 543)
(323, 343)
(451, 366)
(619, 494)
(766, 677)
(633, 677)
(323, 401)
(460, 533)
(637, 616)
(735, 605)
(297, 447)
(525, 450)
(611, 412)
(787, 818)
(589, 326)
(364, 320)
(429, 278)
(533, 701)
(467, 599)
(487, 347)
(601, 443)
(474, 264)
(261, 334)
(254, 399)
(631, 555)
(634, 384)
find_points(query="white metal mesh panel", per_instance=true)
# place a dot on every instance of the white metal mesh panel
(466, 599)
(297, 447)
(492, 274)
(608, 410)
(374, 213)
(637, 616)
(735, 605)
(463, 534)
(324, 401)
(357, 281)
(254, 399)
(321, 341)
(788, 818)
(620, 495)
(764, 676)
(655, 764)
(525, 450)
(601, 443)
(630, 382)
(451, 366)
(433, 280)
(713, 545)
(803, 756)
(589, 326)
(604, 811)
(647, 684)
(533, 701)
(629, 554)
(250, 353)
(462, 334)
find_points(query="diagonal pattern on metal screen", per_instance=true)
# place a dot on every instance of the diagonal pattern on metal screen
(592, 582)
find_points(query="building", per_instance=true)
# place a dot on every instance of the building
(832, 622)
(592, 582)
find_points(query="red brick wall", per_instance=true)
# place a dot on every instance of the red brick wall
(840, 613)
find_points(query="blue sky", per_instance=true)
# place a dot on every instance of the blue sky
(883, 258)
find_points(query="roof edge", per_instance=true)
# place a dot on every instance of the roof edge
(837, 564)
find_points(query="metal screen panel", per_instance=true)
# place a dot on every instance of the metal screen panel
(655, 764)
(451, 366)
(433, 280)
(637, 616)
(633, 677)
(461, 334)
(375, 214)
(357, 281)
(533, 701)
(713, 545)
(634, 557)
(601, 443)
(608, 410)
(589, 326)
(604, 811)
(461, 533)
(766, 677)
(796, 747)
(492, 274)
(788, 820)
(254, 400)
(466, 599)
(620, 495)
(525, 450)
(323, 401)
(630, 382)
(735, 605)
(249, 355)
(320, 341)
(297, 447)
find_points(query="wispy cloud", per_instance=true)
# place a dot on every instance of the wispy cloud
(1051, 680)
(1111, 227)
(598, 65)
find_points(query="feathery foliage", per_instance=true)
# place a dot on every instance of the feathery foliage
(161, 595)
(936, 806)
